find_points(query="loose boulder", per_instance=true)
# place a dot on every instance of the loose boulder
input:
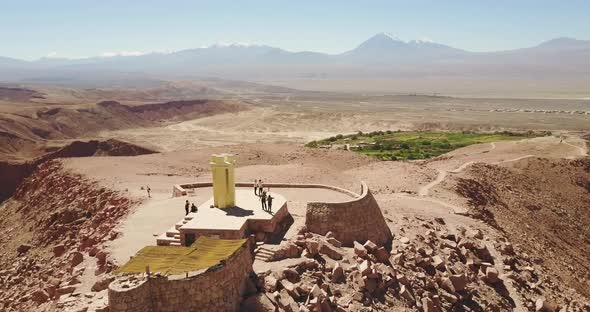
(59, 250)
(76, 258)
(23, 248)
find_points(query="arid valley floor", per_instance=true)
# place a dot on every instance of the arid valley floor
(74, 165)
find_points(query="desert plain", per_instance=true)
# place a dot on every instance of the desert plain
(531, 195)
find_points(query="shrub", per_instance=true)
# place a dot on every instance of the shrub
(312, 144)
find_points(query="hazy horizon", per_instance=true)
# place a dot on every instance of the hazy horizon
(241, 44)
(70, 29)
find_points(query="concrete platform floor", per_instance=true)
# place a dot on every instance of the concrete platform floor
(248, 206)
(156, 215)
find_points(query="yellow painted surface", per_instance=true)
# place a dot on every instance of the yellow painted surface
(224, 189)
(172, 260)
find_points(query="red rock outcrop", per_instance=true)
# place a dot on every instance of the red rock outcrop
(60, 217)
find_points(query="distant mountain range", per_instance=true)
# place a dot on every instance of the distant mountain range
(381, 56)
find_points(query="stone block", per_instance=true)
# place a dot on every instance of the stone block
(370, 246)
(381, 254)
(312, 246)
(39, 296)
(360, 250)
(334, 242)
(438, 262)
(459, 281)
(23, 248)
(290, 288)
(337, 273)
(365, 267)
(405, 293)
(331, 251)
(59, 250)
(492, 275)
(286, 302)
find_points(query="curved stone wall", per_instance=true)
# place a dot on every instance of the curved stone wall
(357, 220)
(215, 290)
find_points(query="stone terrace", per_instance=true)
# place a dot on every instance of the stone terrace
(229, 223)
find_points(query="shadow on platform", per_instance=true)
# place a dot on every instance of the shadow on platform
(238, 212)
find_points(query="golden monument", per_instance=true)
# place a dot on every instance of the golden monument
(224, 189)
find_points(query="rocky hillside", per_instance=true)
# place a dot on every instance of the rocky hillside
(541, 205)
(444, 268)
(13, 173)
(24, 134)
(35, 134)
(49, 230)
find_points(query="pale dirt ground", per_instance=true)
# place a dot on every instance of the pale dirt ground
(259, 125)
(471, 87)
(268, 143)
(401, 188)
(301, 117)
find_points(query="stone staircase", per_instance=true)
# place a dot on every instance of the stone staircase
(263, 253)
(172, 236)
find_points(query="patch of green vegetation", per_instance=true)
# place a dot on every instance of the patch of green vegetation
(410, 145)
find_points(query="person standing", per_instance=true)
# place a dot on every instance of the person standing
(260, 187)
(255, 187)
(186, 204)
(269, 202)
(148, 191)
(263, 200)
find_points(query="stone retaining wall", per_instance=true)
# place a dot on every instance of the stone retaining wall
(357, 220)
(215, 290)
(222, 234)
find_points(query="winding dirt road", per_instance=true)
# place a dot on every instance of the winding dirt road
(424, 191)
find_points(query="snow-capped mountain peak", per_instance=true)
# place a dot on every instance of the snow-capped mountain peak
(387, 35)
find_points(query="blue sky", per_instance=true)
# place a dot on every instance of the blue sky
(33, 29)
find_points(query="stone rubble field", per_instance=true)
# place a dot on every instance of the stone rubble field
(437, 269)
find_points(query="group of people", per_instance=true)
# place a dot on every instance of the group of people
(265, 198)
(193, 207)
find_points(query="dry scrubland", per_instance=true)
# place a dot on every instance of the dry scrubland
(304, 117)
(522, 204)
(35, 122)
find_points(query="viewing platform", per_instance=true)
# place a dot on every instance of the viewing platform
(247, 217)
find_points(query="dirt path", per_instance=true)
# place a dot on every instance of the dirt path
(513, 159)
(442, 174)
(424, 191)
(583, 151)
